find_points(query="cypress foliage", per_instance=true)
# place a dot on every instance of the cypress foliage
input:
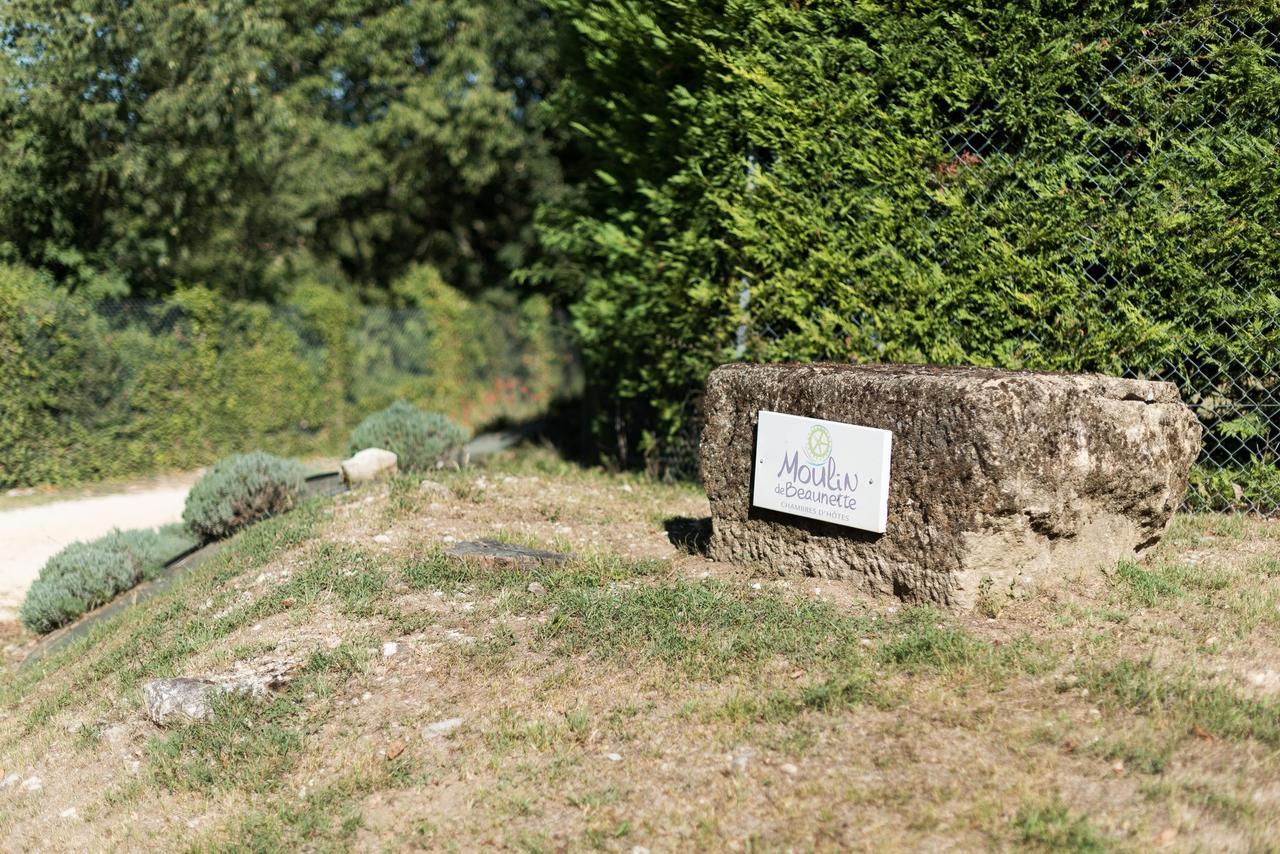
(1081, 186)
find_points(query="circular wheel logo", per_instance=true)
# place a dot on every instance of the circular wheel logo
(817, 446)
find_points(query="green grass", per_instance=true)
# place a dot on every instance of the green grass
(248, 744)
(434, 570)
(1186, 700)
(1052, 827)
(706, 629)
(245, 745)
(1145, 755)
(327, 818)
(1148, 587)
(154, 637)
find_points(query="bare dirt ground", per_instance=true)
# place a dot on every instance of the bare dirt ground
(642, 696)
(36, 525)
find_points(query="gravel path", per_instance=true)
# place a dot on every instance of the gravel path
(31, 535)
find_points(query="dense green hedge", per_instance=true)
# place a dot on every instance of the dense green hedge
(93, 391)
(1087, 185)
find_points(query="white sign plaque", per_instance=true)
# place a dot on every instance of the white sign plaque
(826, 470)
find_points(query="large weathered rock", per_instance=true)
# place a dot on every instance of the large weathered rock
(184, 698)
(994, 474)
(190, 699)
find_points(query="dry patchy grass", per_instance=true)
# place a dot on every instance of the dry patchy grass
(646, 696)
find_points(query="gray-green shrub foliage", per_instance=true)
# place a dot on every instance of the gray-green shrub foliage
(417, 438)
(90, 573)
(241, 489)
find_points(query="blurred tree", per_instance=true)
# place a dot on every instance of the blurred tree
(235, 144)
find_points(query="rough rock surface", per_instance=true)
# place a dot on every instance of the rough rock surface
(504, 554)
(369, 464)
(994, 474)
(166, 699)
(185, 697)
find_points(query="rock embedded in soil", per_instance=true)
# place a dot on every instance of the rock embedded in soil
(192, 699)
(441, 728)
(503, 554)
(180, 697)
(436, 488)
(994, 474)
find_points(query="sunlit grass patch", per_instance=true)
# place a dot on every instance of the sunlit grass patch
(435, 570)
(1186, 700)
(247, 743)
(706, 628)
(243, 744)
(1051, 826)
(326, 818)
(1230, 599)
(1145, 754)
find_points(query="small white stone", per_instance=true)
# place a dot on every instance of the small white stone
(382, 538)
(10, 780)
(390, 648)
(613, 757)
(788, 769)
(366, 696)
(1260, 678)
(755, 586)
(369, 464)
(32, 784)
(440, 728)
(69, 812)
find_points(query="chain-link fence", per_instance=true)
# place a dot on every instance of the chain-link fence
(1228, 374)
(1172, 148)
